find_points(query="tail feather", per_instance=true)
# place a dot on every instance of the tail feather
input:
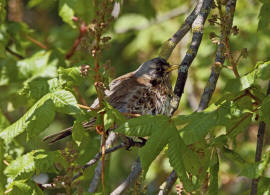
(66, 132)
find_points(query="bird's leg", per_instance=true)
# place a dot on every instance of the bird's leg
(130, 143)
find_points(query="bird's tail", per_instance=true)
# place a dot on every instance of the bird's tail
(66, 132)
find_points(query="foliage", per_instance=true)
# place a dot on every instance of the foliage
(51, 62)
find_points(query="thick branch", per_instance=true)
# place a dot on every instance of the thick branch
(220, 58)
(259, 147)
(197, 29)
(169, 45)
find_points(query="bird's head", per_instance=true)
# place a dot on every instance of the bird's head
(155, 68)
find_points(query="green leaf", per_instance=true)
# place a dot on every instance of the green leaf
(264, 186)
(23, 187)
(2, 167)
(142, 126)
(35, 120)
(41, 115)
(214, 169)
(264, 71)
(154, 145)
(255, 170)
(239, 84)
(200, 124)
(21, 168)
(37, 65)
(78, 132)
(36, 161)
(45, 161)
(65, 102)
(4, 36)
(264, 17)
(3, 121)
(265, 110)
(38, 87)
(232, 155)
(175, 146)
(66, 12)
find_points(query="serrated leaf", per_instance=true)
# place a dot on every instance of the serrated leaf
(71, 74)
(214, 169)
(37, 118)
(264, 71)
(66, 12)
(65, 102)
(264, 186)
(78, 132)
(176, 160)
(200, 124)
(154, 145)
(232, 155)
(37, 65)
(45, 161)
(21, 168)
(264, 17)
(142, 126)
(239, 84)
(23, 187)
(41, 115)
(255, 170)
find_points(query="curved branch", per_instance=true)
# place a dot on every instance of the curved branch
(197, 28)
(169, 45)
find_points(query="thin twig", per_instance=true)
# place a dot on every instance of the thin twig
(225, 31)
(19, 56)
(83, 30)
(36, 42)
(259, 147)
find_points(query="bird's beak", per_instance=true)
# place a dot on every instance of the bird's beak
(172, 67)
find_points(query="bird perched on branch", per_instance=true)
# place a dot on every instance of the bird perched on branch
(146, 91)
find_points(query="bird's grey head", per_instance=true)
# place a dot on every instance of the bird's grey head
(154, 68)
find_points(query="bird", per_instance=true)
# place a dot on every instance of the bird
(145, 91)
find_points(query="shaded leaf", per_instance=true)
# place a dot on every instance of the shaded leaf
(154, 145)
(214, 169)
(2, 167)
(24, 187)
(142, 126)
(265, 110)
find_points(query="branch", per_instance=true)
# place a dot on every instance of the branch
(83, 30)
(259, 147)
(159, 19)
(220, 57)
(96, 179)
(36, 42)
(169, 45)
(135, 172)
(169, 184)
(20, 57)
(197, 28)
